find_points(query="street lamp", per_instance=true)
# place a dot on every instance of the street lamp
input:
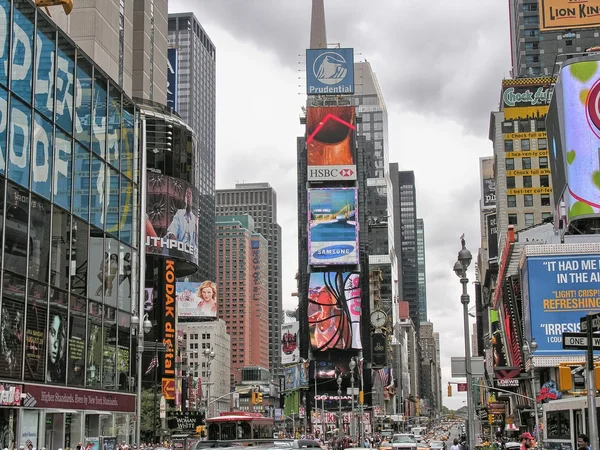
(139, 329)
(460, 269)
(209, 354)
(352, 418)
(528, 351)
(340, 420)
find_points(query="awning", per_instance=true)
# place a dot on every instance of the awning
(511, 427)
(103, 413)
(67, 411)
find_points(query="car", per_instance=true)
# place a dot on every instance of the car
(438, 445)
(404, 441)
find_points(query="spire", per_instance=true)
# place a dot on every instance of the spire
(318, 34)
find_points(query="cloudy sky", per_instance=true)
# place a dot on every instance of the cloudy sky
(440, 66)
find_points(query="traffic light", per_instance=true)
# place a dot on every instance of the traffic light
(565, 378)
(490, 419)
(361, 397)
(253, 397)
(258, 397)
(449, 390)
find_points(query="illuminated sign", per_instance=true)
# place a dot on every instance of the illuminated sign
(569, 14)
(529, 135)
(526, 172)
(168, 322)
(526, 98)
(527, 154)
(523, 191)
(10, 394)
(290, 350)
(330, 71)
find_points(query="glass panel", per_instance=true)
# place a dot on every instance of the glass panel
(112, 205)
(62, 170)
(39, 248)
(22, 49)
(35, 332)
(94, 352)
(59, 264)
(114, 127)
(111, 272)
(99, 117)
(45, 53)
(124, 278)
(2, 192)
(83, 100)
(79, 257)
(4, 39)
(57, 346)
(3, 125)
(65, 84)
(18, 151)
(16, 236)
(127, 159)
(126, 210)
(41, 161)
(77, 341)
(98, 261)
(81, 183)
(110, 348)
(11, 338)
(123, 346)
(98, 189)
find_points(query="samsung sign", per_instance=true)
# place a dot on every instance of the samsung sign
(330, 71)
(327, 173)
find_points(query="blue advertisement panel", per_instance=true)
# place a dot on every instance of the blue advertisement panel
(330, 71)
(333, 230)
(172, 78)
(559, 290)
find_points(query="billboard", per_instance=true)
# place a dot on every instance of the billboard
(296, 376)
(167, 363)
(330, 71)
(379, 352)
(578, 97)
(488, 183)
(172, 82)
(103, 270)
(334, 307)
(330, 144)
(568, 14)
(290, 352)
(172, 218)
(333, 366)
(196, 299)
(526, 98)
(333, 226)
(559, 290)
(492, 235)
(556, 155)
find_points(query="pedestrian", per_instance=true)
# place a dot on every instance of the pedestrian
(526, 441)
(583, 441)
(455, 445)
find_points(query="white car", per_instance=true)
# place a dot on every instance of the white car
(404, 441)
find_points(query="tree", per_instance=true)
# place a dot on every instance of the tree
(150, 412)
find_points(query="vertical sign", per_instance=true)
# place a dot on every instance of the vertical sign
(488, 183)
(492, 235)
(168, 329)
(172, 84)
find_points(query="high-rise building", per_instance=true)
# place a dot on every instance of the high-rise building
(194, 99)
(422, 273)
(259, 200)
(533, 51)
(242, 280)
(128, 40)
(429, 368)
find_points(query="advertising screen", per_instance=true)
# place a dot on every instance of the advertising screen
(556, 154)
(103, 269)
(290, 352)
(492, 235)
(526, 98)
(172, 222)
(578, 92)
(168, 313)
(333, 366)
(196, 299)
(330, 145)
(330, 71)
(559, 291)
(296, 376)
(488, 183)
(333, 230)
(172, 87)
(568, 14)
(334, 307)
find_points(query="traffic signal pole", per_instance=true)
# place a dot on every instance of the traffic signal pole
(591, 387)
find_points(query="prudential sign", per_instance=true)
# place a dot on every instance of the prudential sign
(330, 71)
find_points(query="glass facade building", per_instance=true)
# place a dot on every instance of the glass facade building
(69, 205)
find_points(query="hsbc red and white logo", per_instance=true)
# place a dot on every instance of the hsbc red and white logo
(325, 173)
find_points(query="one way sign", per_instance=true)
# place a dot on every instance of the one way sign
(578, 341)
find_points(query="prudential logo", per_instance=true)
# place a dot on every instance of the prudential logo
(330, 71)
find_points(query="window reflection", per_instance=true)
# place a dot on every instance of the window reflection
(18, 150)
(109, 366)
(39, 237)
(81, 183)
(99, 117)
(62, 170)
(44, 79)
(77, 335)
(22, 49)
(65, 84)
(59, 265)
(16, 236)
(35, 332)
(83, 100)
(94, 348)
(4, 39)
(42, 158)
(79, 257)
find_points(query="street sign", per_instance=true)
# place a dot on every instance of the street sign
(461, 387)
(595, 322)
(578, 341)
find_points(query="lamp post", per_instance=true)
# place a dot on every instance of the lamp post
(460, 268)
(138, 329)
(352, 418)
(209, 354)
(528, 351)
(340, 420)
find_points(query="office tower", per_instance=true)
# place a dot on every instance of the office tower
(242, 282)
(422, 273)
(127, 39)
(194, 98)
(429, 368)
(534, 52)
(259, 200)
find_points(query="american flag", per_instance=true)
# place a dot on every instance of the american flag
(383, 375)
(152, 365)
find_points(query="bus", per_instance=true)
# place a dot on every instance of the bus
(236, 426)
(564, 419)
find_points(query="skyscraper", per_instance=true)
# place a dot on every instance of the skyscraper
(195, 95)
(259, 200)
(422, 274)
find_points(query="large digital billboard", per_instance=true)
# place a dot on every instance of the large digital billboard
(172, 218)
(330, 71)
(526, 98)
(569, 14)
(330, 144)
(290, 350)
(556, 155)
(196, 299)
(334, 307)
(558, 291)
(333, 226)
(168, 319)
(578, 99)
(172, 84)
(488, 183)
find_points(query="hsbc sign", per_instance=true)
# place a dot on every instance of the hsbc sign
(327, 173)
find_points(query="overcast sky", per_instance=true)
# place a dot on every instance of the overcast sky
(440, 66)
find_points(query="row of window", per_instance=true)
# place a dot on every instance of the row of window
(542, 144)
(526, 163)
(528, 200)
(523, 126)
(529, 219)
(527, 181)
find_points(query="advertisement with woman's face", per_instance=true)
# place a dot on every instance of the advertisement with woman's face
(196, 299)
(57, 346)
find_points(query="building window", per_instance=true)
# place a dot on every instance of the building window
(540, 125)
(525, 144)
(512, 219)
(524, 126)
(529, 219)
(512, 201)
(510, 164)
(508, 146)
(526, 163)
(508, 127)
(510, 182)
(528, 200)
(545, 199)
(544, 181)
(543, 162)
(568, 42)
(542, 144)
(546, 216)
(527, 182)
